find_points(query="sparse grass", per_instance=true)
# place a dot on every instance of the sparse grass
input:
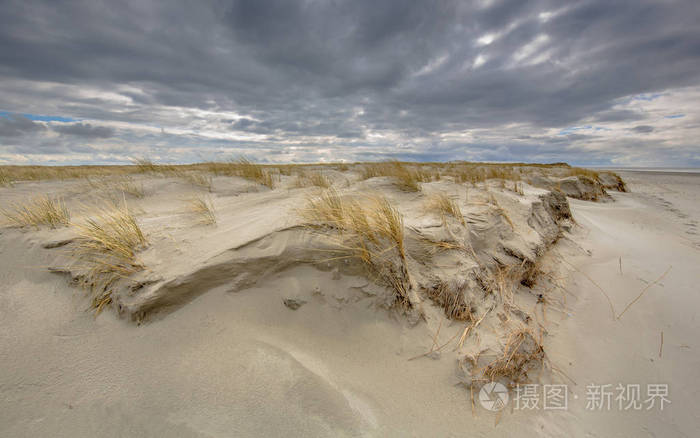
(504, 172)
(373, 170)
(406, 179)
(285, 170)
(479, 173)
(503, 281)
(106, 250)
(42, 210)
(579, 171)
(522, 353)
(41, 173)
(445, 206)
(328, 209)
(422, 172)
(434, 247)
(198, 179)
(145, 165)
(501, 211)
(618, 184)
(311, 179)
(5, 180)
(370, 230)
(254, 172)
(451, 300)
(203, 208)
(127, 185)
(469, 174)
(121, 183)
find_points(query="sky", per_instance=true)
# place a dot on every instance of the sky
(591, 82)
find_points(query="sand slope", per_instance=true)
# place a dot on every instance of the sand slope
(241, 363)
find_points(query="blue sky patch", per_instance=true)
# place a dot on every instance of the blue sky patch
(39, 118)
(647, 97)
(571, 129)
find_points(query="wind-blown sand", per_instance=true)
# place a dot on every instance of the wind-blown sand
(235, 361)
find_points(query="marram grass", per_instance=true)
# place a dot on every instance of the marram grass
(42, 210)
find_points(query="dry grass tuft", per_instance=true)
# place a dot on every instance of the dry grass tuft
(504, 172)
(122, 183)
(328, 209)
(579, 171)
(445, 206)
(106, 250)
(5, 180)
(203, 208)
(474, 174)
(370, 230)
(41, 210)
(433, 247)
(503, 282)
(145, 165)
(127, 185)
(286, 169)
(469, 174)
(254, 172)
(406, 178)
(501, 211)
(451, 300)
(198, 179)
(522, 353)
(311, 179)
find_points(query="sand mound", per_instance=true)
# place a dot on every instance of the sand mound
(503, 231)
(432, 248)
(264, 322)
(585, 187)
(442, 253)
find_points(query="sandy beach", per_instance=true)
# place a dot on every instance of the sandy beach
(347, 218)
(236, 361)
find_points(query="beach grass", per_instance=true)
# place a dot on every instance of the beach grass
(42, 210)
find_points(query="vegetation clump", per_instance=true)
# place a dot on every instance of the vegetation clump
(247, 169)
(313, 179)
(42, 210)
(446, 207)
(203, 209)
(105, 251)
(370, 230)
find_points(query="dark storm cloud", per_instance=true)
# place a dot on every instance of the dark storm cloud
(643, 129)
(17, 125)
(342, 69)
(85, 130)
(617, 116)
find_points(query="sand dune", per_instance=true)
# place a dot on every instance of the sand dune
(248, 327)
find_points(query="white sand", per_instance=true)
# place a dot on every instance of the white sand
(243, 364)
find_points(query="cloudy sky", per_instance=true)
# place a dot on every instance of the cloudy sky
(592, 82)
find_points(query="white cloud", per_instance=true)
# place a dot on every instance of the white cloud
(532, 48)
(486, 39)
(479, 61)
(433, 65)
